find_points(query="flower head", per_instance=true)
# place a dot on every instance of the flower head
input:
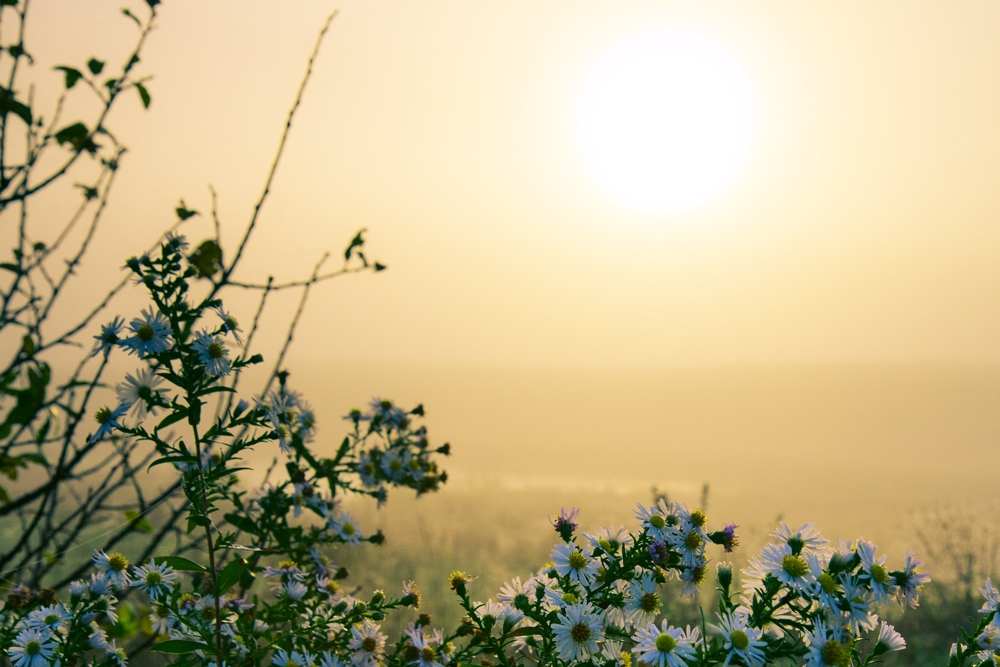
(154, 579)
(213, 354)
(108, 337)
(139, 391)
(114, 567)
(108, 421)
(32, 647)
(741, 639)
(150, 334)
(368, 644)
(578, 632)
(665, 645)
(571, 562)
(229, 324)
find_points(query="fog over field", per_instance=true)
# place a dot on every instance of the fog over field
(853, 448)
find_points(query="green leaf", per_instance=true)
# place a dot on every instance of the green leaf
(172, 459)
(183, 212)
(143, 95)
(95, 66)
(229, 576)
(9, 104)
(10, 3)
(77, 136)
(242, 522)
(4, 498)
(71, 74)
(380, 267)
(13, 268)
(138, 522)
(175, 416)
(181, 564)
(357, 241)
(194, 413)
(180, 646)
(207, 258)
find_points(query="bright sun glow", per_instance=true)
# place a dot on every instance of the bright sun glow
(666, 121)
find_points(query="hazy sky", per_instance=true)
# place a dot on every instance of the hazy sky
(864, 225)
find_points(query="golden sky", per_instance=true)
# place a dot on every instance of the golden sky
(864, 225)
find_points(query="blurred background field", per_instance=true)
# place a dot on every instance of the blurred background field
(904, 456)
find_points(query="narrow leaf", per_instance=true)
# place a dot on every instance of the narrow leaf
(180, 646)
(143, 95)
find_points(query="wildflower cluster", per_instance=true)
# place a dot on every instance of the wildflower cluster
(982, 645)
(204, 612)
(599, 600)
(270, 593)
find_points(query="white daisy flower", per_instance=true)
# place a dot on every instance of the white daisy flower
(395, 463)
(293, 659)
(610, 539)
(429, 654)
(161, 625)
(807, 539)
(827, 646)
(32, 647)
(510, 591)
(827, 585)
(294, 590)
(138, 391)
(154, 579)
(741, 640)
(229, 324)
(888, 640)
(212, 353)
(108, 420)
(689, 541)
(51, 617)
(345, 527)
(367, 468)
(656, 519)
(665, 645)
(98, 638)
(643, 602)
(578, 632)
(992, 596)
(784, 564)
(875, 572)
(859, 600)
(114, 567)
(909, 581)
(108, 337)
(570, 561)
(150, 334)
(367, 643)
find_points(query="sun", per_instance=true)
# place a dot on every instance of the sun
(666, 121)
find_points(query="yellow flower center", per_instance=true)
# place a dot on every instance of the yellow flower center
(879, 575)
(739, 639)
(650, 603)
(665, 643)
(795, 566)
(577, 560)
(657, 521)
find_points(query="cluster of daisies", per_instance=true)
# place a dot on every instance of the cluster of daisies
(44, 632)
(391, 449)
(983, 645)
(153, 337)
(601, 592)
